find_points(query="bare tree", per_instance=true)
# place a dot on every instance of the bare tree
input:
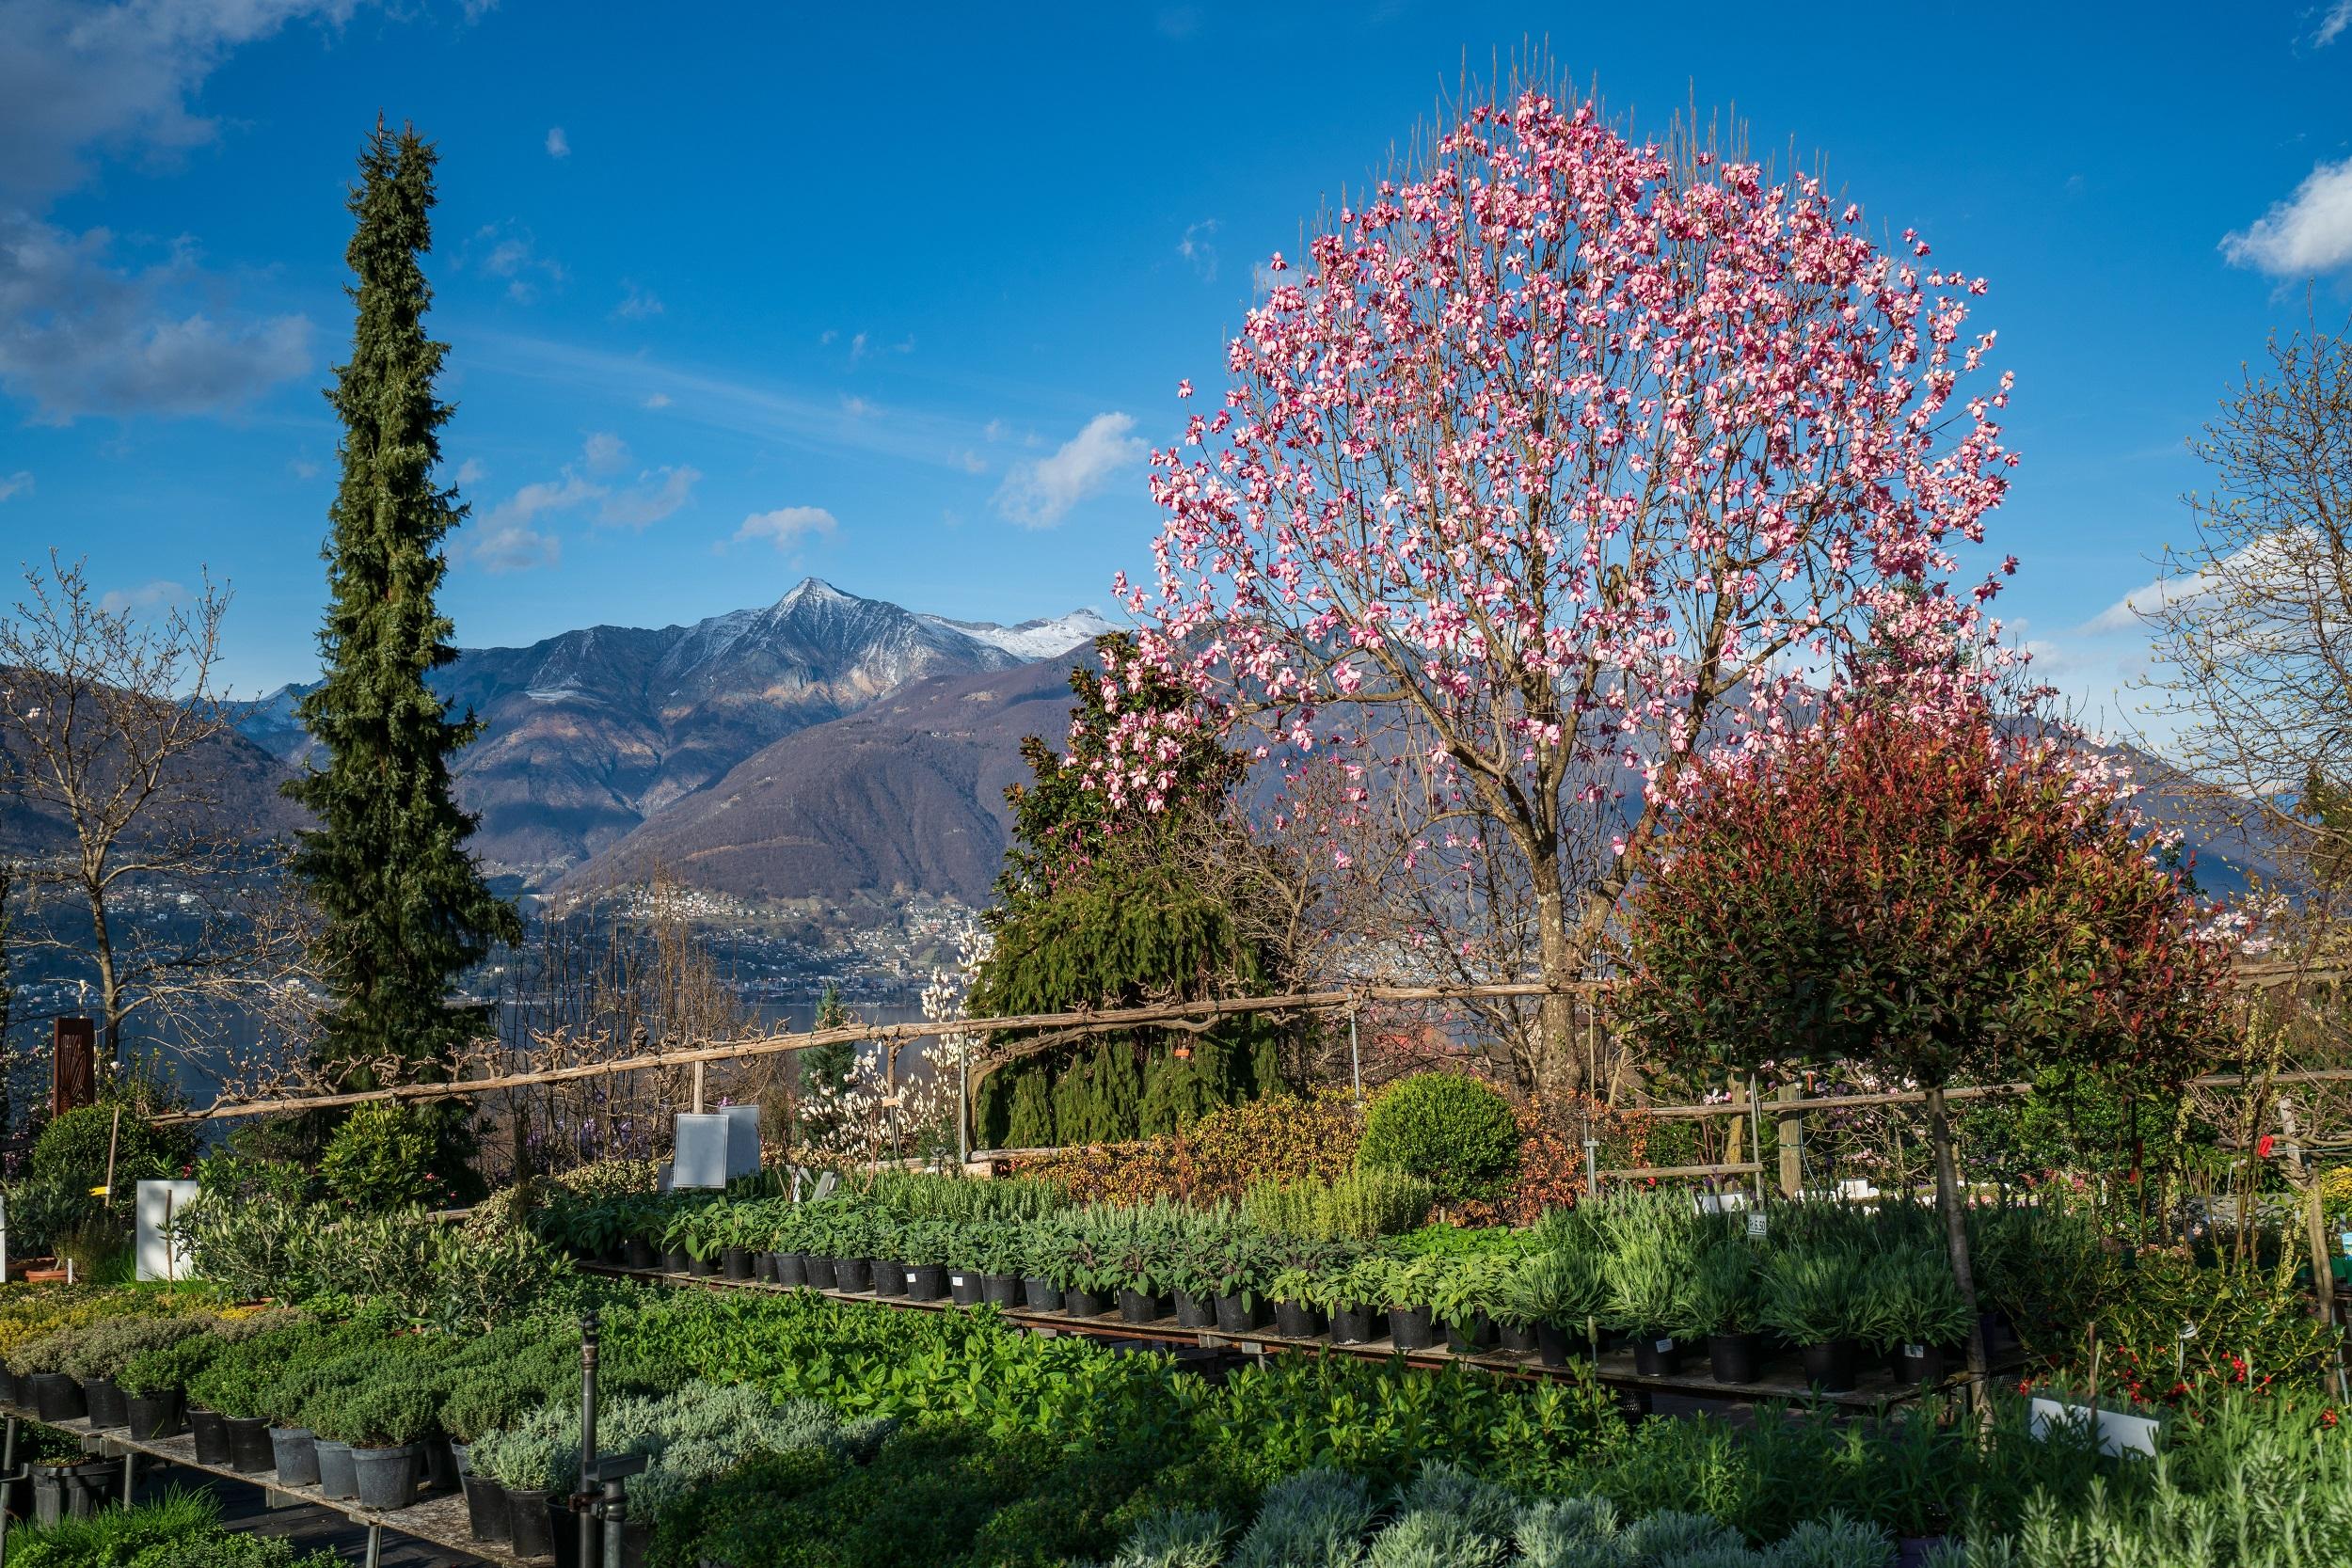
(2252, 621)
(115, 736)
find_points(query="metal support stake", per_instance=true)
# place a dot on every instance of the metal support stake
(375, 1544)
(614, 1507)
(588, 1326)
(129, 1476)
(1355, 1060)
(1592, 1168)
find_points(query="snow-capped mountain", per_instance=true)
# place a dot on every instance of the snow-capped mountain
(592, 732)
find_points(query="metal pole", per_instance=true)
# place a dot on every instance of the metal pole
(1755, 1128)
(376, 1546)
(588, 1325)
(963, 1104)
(1355, 1060)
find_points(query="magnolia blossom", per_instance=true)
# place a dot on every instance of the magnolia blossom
(876, 1114)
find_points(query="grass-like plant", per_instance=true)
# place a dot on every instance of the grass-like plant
(1813, 1294)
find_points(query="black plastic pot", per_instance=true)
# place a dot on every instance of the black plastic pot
(441, 1466)
(1519, 1339)
(1001, 1289)
(294, 1454)
(675, 1262)
(1921, 1364)
(1137, 1308)
(819, 1273)
(1239, 1314)
(1085, 1304)
(486, 1517)
(1194, 1312)
(1352, 1325)
(1830, 1365)
(790, 1267)
(925, 1281)
(564, 1529)
(735, 1262)
(1296, 1320)
(249, 1445)
(58, 1398)
(1409, 1329)
(1735, 1357)
(638, 1253)
(702, 1268)
(210, 1430)
(1558, 1344)
(1040, 1295)
(388, 1477)
(964, 1287)
(8, 1386)
(152, 1416)
(1657, 1354)
(1998, 1335)
(851, 1275)
(886, 1276)
(106, 1403)
(1469, 1338)
(763, 1267)
(73, 1491)
(337, 1477)
(529, 1528)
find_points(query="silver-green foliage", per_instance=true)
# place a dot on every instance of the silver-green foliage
(1315, 1519)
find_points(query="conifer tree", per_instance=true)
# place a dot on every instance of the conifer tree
(407, 907)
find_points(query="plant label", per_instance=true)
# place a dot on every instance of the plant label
(954, 1279)
(1755, 1228)
(910, 1277)
(1664, 1347)
(1917, 1352)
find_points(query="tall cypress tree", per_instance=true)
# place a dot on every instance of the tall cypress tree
(407, 910)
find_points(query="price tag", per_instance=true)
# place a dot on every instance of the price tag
(1757, 1227)
(2188, 1331)
(1917, 1352)
(1664, 1347)
(955, 1279)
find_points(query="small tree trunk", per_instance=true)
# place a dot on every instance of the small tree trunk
(1558, 1068)
(109, 981)
(1947, 1202)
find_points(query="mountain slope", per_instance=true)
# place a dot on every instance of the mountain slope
(905, 796)
(591, 732)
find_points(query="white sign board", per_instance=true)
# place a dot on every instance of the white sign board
(159, 1203)
(2119, 1433)
(700, 1158)
(742, 1140)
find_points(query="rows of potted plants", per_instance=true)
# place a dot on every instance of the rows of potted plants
(1823, 1287)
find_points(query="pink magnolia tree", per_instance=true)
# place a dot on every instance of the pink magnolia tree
(1564, 460)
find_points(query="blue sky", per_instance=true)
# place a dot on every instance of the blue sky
(896, 296)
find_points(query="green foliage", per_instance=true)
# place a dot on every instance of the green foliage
(43, 1213)
(182, 1530)
(1362, 1205)
(72, 1150)
(1812, 1295)
(383, 1157)
(1725, 1292)
(407, 907)
(1452, 1131)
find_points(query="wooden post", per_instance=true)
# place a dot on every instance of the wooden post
(72, 1080)
(1791, 1147)
(2315, 1230)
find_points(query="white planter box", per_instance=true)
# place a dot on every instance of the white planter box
(2119, 1433)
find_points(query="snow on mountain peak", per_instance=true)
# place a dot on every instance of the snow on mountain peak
(1034, 639)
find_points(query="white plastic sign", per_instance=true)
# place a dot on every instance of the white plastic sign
(158, 1205)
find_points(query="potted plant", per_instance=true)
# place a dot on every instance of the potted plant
(821, 1229)
(523, 1465)
(236, 1391)
(1810, 1298)
(1464, 1299)
(788, 1249)
(1408, 1284)
(40, 1368)
(1081, 1266)
(1719, 1311)
(1035, 1252)
(923, 1246)
(154, 1380)
(384, 1420)
(1192, 1273)
(1237, 1261)
(1142, 1249)
(1648, 1278)
(1562, 1293)
(1911, 1311)
(994, 1252)
(1355, 1296)
(732, 1224)
(479, 1405)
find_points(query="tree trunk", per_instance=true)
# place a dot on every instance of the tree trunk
(1556, 1065)
(110, 982)
(1947, 1202)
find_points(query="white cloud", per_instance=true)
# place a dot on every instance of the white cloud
(515, 547)
(857, 348)
(658, 399)
(971, 462)
(302, 467)
(510, 251)
(2124, 613)
(657, 494)
(147, 595)
(543, 496)
(2331, 26)
(1038, 494)
(559, 145)
(857, 407)
(2311, 232)
(637, 304)
(75, 75)
(787, 526)
(1197, 250)
(80, 334)
(994, 430)
(13, 483)
(471, 472)
(604, 451)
